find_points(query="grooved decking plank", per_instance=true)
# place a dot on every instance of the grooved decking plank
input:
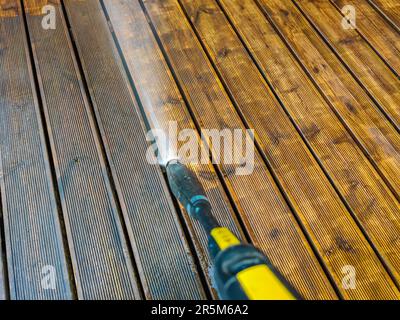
(348, 100)
(162, 104)
(390, 9)
(355, 52)
(161, 251)
(31, 219)
(379, 33)
(2, 279)
(331, 227)
(270, 223)
(102, 266)
(3, 274)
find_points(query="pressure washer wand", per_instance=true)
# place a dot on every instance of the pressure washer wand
(240, 271)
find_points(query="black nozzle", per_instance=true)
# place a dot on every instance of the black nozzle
(188, 190)
(185, 186)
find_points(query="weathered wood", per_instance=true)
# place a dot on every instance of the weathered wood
(244, 189)
(39, 7)
(349, 101)
(164, 260)
(98, 247)
(3, 274)
(376, 30)
(349, 170)
(268, 220)
(33, 235)
(355, 52)
(163, 106)
(324, 193)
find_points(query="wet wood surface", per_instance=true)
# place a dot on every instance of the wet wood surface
(81, 198)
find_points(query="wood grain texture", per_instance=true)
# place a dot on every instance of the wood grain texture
(268, 220)
(165, 263)
(3, 272)
(355, 52)
(39, 7)
(378, 138)
(390, 9)
(81, 190)
(376, 30)
(31, 219)
(102, 267)
(9, 8)
(163, 105)
(369, 126)
(349, 170)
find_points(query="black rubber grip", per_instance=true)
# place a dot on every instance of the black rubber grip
(184, 184)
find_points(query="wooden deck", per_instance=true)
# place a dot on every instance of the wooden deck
(81, 202)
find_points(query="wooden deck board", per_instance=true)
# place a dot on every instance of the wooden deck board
(345, 175)
(3, 279)
(362, 60)
(164, 106)
(31, 219)
(305, 107)
(375, 135)
(390, 9)
(263, 209)
(172, 274)
(102, 267)
(377, 31)
(76, 103)
(288, 170)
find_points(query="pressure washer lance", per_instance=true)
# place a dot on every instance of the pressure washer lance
(240, 271)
